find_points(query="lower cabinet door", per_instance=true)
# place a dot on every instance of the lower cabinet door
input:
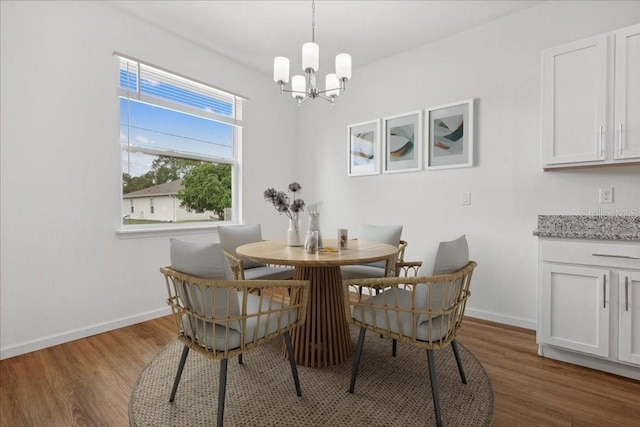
(575, 308)
(629, 314)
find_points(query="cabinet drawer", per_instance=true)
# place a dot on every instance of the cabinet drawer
(590, 252)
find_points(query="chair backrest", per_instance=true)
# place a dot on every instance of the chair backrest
(206, 261)
(233, 236)
(451, 256)
(389, 234)
(428, 314)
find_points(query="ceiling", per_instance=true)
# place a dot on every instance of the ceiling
(254, 32)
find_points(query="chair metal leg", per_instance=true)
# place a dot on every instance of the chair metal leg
(434, 386)
(454, 346)
(292, 361)
(356, 359)
(240, 358)
(222, 388)
(183, 359)
(394, 346)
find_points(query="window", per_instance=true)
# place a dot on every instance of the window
(180, 142)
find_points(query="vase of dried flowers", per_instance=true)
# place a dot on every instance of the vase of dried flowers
(281, 202)
(293, 233)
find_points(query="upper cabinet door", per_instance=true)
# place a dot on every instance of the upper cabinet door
(627, 93)
(574, 102)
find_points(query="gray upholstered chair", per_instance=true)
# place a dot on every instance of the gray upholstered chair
(219, 317)
(245, 269)
(423, 311)
(389, 234)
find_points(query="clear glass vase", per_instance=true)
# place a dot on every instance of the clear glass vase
(314, 225)
(294, 237)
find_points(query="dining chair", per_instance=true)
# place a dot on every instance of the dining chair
(233, 236)
(218, 317)
(423, 311)
(451, 256)
(389, 234)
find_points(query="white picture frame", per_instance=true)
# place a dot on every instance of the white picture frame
(402, 147)
(449, 131)
(363, 148)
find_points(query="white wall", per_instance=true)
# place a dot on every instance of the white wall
(66, 274)
(64, 271)
(498, 64)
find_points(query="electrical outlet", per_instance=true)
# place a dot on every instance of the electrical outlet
(466, 198)
(605, 195)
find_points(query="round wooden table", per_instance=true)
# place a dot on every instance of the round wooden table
(324, 338)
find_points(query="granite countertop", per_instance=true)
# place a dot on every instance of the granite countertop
(600, 227)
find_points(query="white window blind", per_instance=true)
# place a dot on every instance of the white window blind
(151, 84)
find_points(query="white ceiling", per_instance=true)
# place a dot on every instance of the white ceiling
(254, 32)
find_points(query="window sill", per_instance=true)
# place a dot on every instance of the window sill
(134, 232)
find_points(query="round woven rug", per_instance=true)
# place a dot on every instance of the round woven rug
(390, 391)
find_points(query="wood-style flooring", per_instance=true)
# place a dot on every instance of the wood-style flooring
(87, 382)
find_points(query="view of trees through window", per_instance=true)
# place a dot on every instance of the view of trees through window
(202, 187)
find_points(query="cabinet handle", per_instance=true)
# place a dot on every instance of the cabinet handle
(620, 141)
(600, 140)
(617, 256)
(604, 292)
(626, 293)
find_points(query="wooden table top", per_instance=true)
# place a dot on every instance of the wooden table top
(277, 252)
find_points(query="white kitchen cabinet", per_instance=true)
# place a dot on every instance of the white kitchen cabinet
(629, 291)
(627, 93)
(574, 308)
(591, 101)
(589, 303)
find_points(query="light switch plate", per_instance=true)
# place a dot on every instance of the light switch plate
(605, 195)
(466, 198)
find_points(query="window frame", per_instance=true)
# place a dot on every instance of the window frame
(235, 121)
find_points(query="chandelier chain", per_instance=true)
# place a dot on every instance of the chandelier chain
(313, 21)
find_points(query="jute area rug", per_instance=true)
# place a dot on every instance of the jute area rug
(390, 391)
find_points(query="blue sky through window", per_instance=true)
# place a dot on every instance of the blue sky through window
(149, 126)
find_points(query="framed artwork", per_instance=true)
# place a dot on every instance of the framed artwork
(403, 143)
(450, 135)
(364, 148)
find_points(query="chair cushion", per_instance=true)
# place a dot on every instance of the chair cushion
(207, 261)
(361, 272)
(400, 322)
(389, 234)
(258, 325)
(266, 324)
(441, 297)
(268, 273)
(451, 256)
(233, 236)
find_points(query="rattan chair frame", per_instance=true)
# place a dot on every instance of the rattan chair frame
(237, 266)
(451, 288)
(180, 285)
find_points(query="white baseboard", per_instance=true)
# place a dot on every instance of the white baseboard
(499, 318)
(50, 341)
(593, 362)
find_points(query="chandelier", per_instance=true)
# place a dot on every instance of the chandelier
(303, 88)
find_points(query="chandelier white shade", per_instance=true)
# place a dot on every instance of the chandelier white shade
(300, 90)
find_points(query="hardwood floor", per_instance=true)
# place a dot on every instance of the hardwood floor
(87, 382)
